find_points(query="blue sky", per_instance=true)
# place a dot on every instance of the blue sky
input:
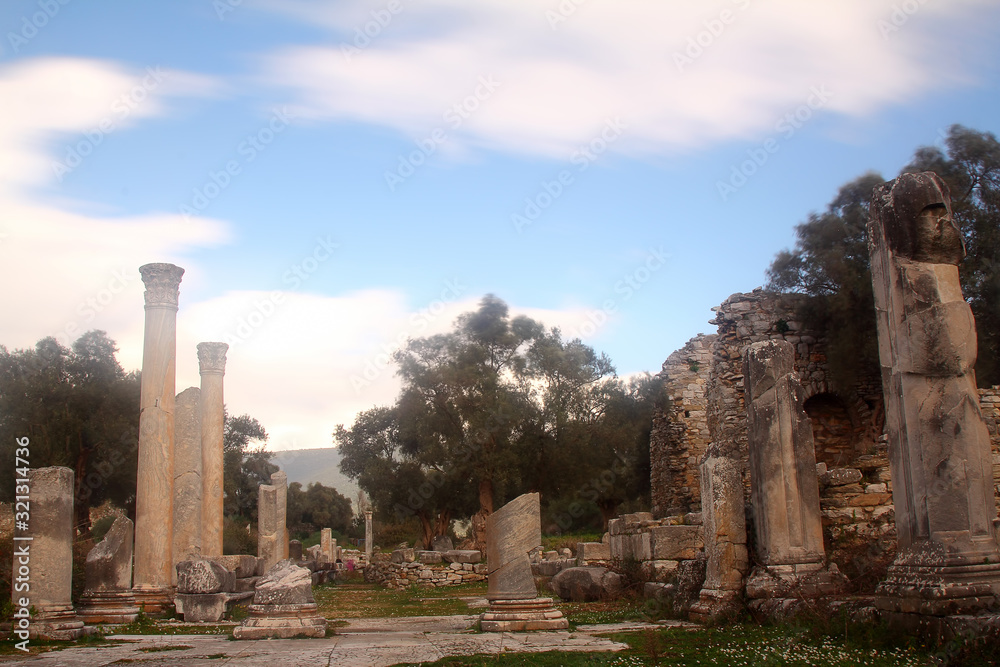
(337, 176)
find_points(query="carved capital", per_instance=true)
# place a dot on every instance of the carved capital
(162, 282)
(212, 358)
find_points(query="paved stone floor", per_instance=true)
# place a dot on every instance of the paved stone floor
(378, 641)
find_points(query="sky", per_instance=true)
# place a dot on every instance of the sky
(337, 177)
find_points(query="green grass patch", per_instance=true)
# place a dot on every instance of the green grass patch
(569, 540)
(353, 600)
(159, 649)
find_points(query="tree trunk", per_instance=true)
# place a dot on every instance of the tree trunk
(607, 508)
(443, 521)
(485, 509)
(425, 522)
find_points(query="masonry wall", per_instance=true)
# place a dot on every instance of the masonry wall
(989, 399)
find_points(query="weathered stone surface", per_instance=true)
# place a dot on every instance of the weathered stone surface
(202, 607)
(676, 542)
(588, 551)
(513, 530)
(784, 486)
(369, 535)
(212, 366)
(522, 616)
(586, 584)
(50, 526)
(841, 477)
(187, 476)
(204, 576)
(442, 543)
(462, 556)
(939, 447)
(267, 525)
(279, 480)
(109, 563)
(429, 557)
(512, 581)
(243, 565)
(295, 550)
(154, 501)
(407, 555)
(284, 584)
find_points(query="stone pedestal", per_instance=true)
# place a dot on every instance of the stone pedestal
(187, 477)
(212, 366)
(50, 555)
(283, 606)
(279, 481)
(939, 450)
(725, 534)
(108, 596)
(511, 533)
(154, 503)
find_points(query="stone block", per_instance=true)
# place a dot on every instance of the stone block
(203, 607)
(429, 557)
(588, 551)
(442, 543)
(462, 556)
(586, 584)
(243, 565)
(841, 477)
(284, 584)
(204, 576)
(676, 542)
(407, 555)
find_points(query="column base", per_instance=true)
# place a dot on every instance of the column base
(154, 600)
(715, 605)
(522, 616)
(117, 607)
(932, 580)
(282, 621)
(56, 623)
(795, 581)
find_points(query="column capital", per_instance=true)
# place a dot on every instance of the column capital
(162, 282)
(212, 358)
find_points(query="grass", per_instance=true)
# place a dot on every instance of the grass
(569, 540)
(354, 600)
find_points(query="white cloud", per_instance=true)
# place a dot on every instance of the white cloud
(561, 80)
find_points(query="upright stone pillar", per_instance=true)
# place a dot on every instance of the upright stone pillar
(369, 535)
(50, 556)
(784, 487)
(187, 478)
(724, 522)
(512, 532)
(279, 481)
(939, 449)
(154, 498)
(107, 597)
(267, 525)
(212, 365)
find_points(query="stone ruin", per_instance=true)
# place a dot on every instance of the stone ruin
(714, 446)
(283, 606)
(107, 597)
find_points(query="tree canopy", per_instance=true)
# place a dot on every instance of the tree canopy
(830, 259)
(497, 407)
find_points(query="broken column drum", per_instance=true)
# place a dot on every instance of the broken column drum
(939, 448)
(155, 479)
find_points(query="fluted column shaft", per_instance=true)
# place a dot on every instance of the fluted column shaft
(212, 365)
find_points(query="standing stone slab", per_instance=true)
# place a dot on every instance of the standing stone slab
(511, 533)
(328, 546)
(939, 448)
(50, 559)
(267, 526)
(107, 597)
(212, 366)
(187, 477)
(725, 535)
(154, 499)
(279, 481)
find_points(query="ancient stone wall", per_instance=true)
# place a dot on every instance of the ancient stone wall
(680, 432)
(989, 400)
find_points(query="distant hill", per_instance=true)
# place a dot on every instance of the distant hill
(316, 465)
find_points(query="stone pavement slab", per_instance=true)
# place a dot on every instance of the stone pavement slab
(363, 643)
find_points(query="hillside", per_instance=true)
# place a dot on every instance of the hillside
(316, 465)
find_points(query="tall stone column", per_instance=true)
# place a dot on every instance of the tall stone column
(279, 481)
(369, 535)
(50, 555)
(784, 487)
(267, 525)
(212, 365)
(939, 448)
(187, 478)
(154, 498)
